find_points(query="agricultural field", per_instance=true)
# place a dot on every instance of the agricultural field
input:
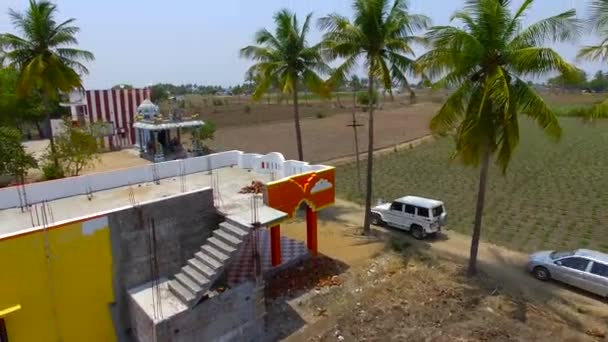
(554, 195)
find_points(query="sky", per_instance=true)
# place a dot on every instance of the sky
(142, 42)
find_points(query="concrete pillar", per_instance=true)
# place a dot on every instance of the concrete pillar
(158, 153)
(311, 231)
(275, 245)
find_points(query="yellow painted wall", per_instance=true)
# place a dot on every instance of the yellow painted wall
(80, 277)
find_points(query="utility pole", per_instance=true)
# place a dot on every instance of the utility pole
(355, 125)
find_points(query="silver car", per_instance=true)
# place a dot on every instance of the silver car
(582, 268)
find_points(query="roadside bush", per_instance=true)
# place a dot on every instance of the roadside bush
(363, 98)
(14, 160)
(247, 109)
(321, 115)
(217, 102)
(75, 150)
(52, 172)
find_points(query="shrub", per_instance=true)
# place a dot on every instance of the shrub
(321, 115)
(52, 172)
(14, 160)
(75, 149)
(217, 102)
(247, 109)
(364, 99)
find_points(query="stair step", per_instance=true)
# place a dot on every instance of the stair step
(208, 260)
(188, 282)
(196, 274)
(180, 291)
(233, 230)
(202, 268)
(210, 250)
(221, 246)
(227, 238)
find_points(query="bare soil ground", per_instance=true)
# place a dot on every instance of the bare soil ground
(391, 287)
(329, 137)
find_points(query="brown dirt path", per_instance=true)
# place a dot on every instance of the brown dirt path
(504, 269)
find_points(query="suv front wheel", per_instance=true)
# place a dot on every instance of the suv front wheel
(377, 220)
(417, 232)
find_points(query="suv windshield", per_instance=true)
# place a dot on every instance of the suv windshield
(557, 255)
(437, 211)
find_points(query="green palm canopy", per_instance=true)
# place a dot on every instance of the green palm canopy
(381, 35)
(483, 62)
(43, 53)
(599, 52)
(285, 59)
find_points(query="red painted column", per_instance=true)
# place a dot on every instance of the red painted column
(311, 231)
(275, 245)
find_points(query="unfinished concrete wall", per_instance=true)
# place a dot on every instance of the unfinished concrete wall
(182, 224)
(235, 315)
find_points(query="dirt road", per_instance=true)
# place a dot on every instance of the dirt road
(502, 269)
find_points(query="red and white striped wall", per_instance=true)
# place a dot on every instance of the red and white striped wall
(118, 106)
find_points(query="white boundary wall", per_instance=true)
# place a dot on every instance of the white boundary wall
(273, 163)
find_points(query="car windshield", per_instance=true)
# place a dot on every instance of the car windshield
(557, 255)
(437, 211)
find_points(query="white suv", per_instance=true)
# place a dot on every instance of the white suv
(421, 216)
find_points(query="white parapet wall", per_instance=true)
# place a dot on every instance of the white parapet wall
(272, 163)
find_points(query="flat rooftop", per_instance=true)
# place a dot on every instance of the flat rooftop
(228, 200)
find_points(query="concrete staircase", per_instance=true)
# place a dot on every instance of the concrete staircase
(201, 272)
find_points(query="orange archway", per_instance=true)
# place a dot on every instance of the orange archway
(315, 188)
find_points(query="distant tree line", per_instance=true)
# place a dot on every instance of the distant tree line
(580, 81)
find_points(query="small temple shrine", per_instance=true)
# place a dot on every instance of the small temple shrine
(160, 139)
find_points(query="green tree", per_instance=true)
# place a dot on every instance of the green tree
(43, 54)
(599, 22)
(158, 93)
(17, 110)
(285, 58)
(75, 149)
(14, 160)
(202, 134)
(485, 60)
(122, 86)
(577, 80)
(381, 34)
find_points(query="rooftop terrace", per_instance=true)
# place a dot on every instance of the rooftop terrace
(68, 199)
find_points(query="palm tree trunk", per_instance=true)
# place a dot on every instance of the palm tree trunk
(49, 128)
(370, 155)
(485, 163)
(410, 90)
(296, 116)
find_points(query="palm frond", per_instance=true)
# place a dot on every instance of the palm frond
(452, 110)
(599, 14)
(315, 83)
(536, 61)
(533, 105)
(594, 52)
(559, 28)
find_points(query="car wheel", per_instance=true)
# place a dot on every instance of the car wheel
(377, 220)
(541, 273)
(417, 232)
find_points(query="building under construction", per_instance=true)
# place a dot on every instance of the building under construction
(173, 251)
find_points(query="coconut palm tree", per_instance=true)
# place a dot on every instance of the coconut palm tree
(43, 54)
(286, 59)
(599, 23)
(484, 61)
(381, 34)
